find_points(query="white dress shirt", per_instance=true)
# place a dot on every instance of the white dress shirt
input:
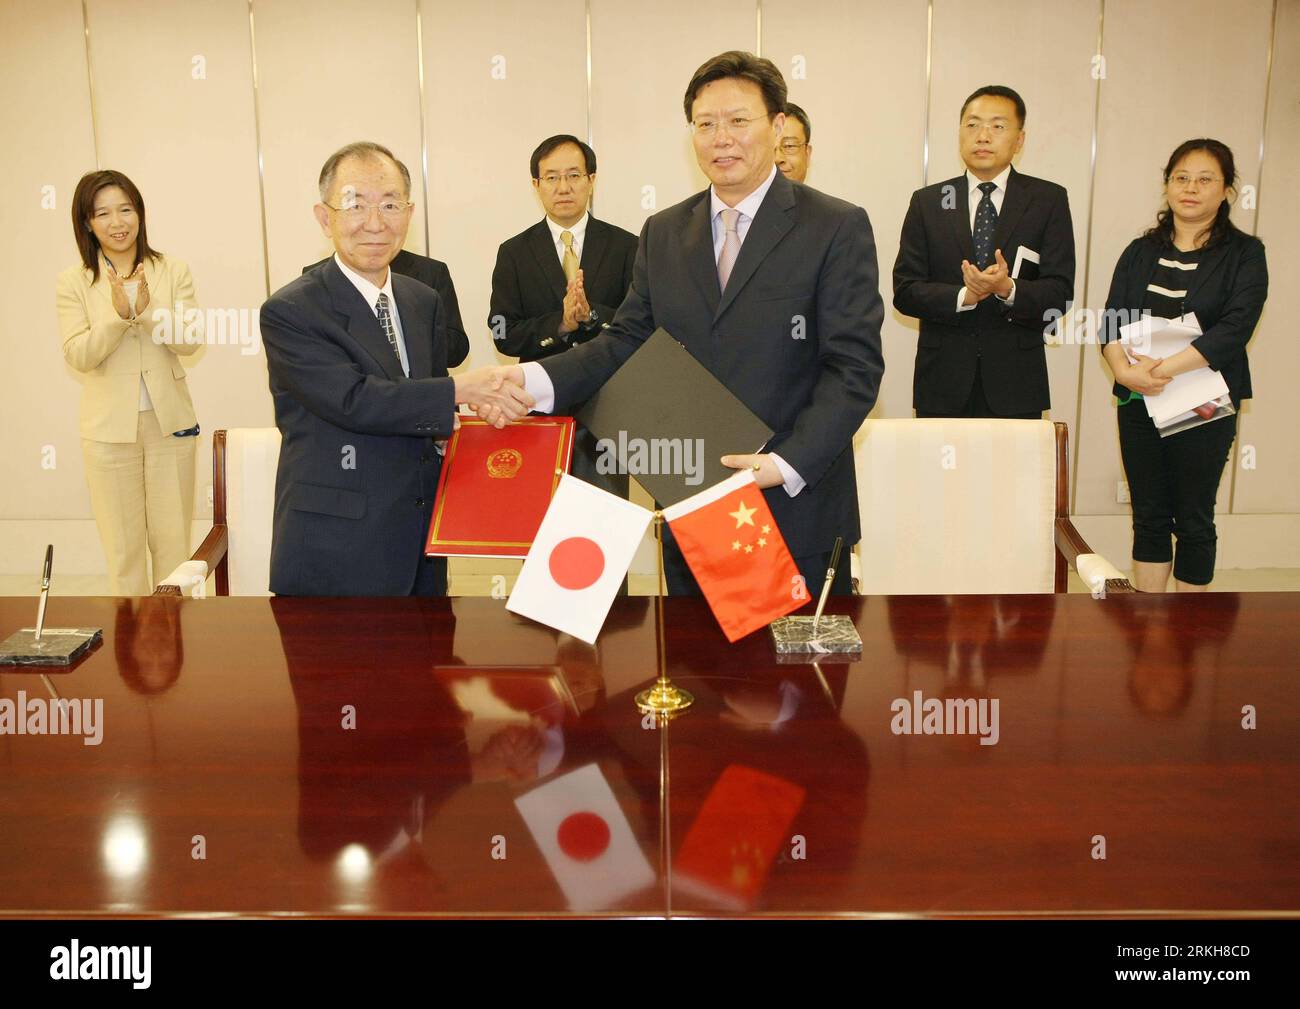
(538, 384)
(974, 195)
(371, 293)
(579, 232)
(748, 207)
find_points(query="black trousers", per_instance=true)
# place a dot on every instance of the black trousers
(681, 582)
(978, 405)
(431, 579)
(1172, 484)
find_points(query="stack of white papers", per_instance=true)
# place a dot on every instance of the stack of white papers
(1177, 402)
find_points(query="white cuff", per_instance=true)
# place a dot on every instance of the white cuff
(961, 298)
(1010, 299)
(538, 385)
(793, 481)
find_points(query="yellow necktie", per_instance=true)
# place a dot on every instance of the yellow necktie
(570, 260)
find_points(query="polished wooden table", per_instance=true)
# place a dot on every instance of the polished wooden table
(392, 757)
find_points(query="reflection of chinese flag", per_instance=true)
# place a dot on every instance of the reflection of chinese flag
(732, 844)
(737, 554)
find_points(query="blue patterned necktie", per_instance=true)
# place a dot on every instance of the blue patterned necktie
(986, 222)
(386, 324)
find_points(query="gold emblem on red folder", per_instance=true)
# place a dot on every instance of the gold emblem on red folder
(504, 464)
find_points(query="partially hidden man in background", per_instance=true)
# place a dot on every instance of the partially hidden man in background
(558, 283)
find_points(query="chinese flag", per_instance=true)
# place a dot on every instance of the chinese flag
(737, 554)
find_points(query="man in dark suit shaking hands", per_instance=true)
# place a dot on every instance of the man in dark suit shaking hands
(357, 358)
(986, 262)
(772, 287)
(433, 273)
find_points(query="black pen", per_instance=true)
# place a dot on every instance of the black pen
(830, 577)
(45, 590)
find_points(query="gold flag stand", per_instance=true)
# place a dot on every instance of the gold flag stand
(663, 699)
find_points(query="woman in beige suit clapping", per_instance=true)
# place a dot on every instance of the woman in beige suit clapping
(138, 427)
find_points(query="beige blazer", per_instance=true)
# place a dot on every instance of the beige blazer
(114, 353)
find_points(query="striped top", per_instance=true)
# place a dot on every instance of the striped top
(1169, 281)
(1166, 291)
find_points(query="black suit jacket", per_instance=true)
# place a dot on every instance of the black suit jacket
(1009, 341)
(796, 337)
(358, 470)
(528, 288)
(1226, 291)
(433, 273)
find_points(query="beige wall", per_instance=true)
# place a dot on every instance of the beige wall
(224, 124)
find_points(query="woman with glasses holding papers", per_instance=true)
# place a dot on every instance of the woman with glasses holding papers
(1196, 267)
(125, 314)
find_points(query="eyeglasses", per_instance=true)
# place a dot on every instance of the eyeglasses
(572, 178)
(736, 124)
(1182, 180)
(790, 146)
(390, 210)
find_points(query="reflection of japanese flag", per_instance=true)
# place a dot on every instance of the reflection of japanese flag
(577, 823)
(578, 559)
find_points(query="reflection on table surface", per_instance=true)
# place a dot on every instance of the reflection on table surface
(393, 756)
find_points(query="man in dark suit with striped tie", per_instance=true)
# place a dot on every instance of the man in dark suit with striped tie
(356, 354)
(986, 262)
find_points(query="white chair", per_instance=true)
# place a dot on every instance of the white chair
(966, 506)
(238, 547)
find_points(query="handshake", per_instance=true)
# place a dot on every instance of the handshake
(496, 393)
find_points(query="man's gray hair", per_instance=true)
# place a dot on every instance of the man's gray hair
(365, 149)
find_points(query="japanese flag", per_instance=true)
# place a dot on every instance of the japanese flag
(586, 840)
(578, 559)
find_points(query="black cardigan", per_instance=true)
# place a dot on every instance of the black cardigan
(1226, 292)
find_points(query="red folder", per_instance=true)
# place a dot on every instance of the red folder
(495, 486)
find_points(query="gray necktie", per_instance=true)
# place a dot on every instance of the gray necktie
(730, 247)
(386, 324)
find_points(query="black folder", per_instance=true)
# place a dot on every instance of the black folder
(658, 409)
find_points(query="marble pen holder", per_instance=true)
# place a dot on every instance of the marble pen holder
(835, 639)
(58, 646)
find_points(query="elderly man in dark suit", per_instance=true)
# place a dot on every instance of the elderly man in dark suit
(986, 262)
(432, 273)
(357, 358)
(772, 286)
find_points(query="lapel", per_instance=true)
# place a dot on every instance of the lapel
(417, 324)
(594, 248)
(1014, 202)
(548, 260)
(960, 221)
(360, 320)
(1211, 260)
(697, 250)
(1140, 273)
(774, 219)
